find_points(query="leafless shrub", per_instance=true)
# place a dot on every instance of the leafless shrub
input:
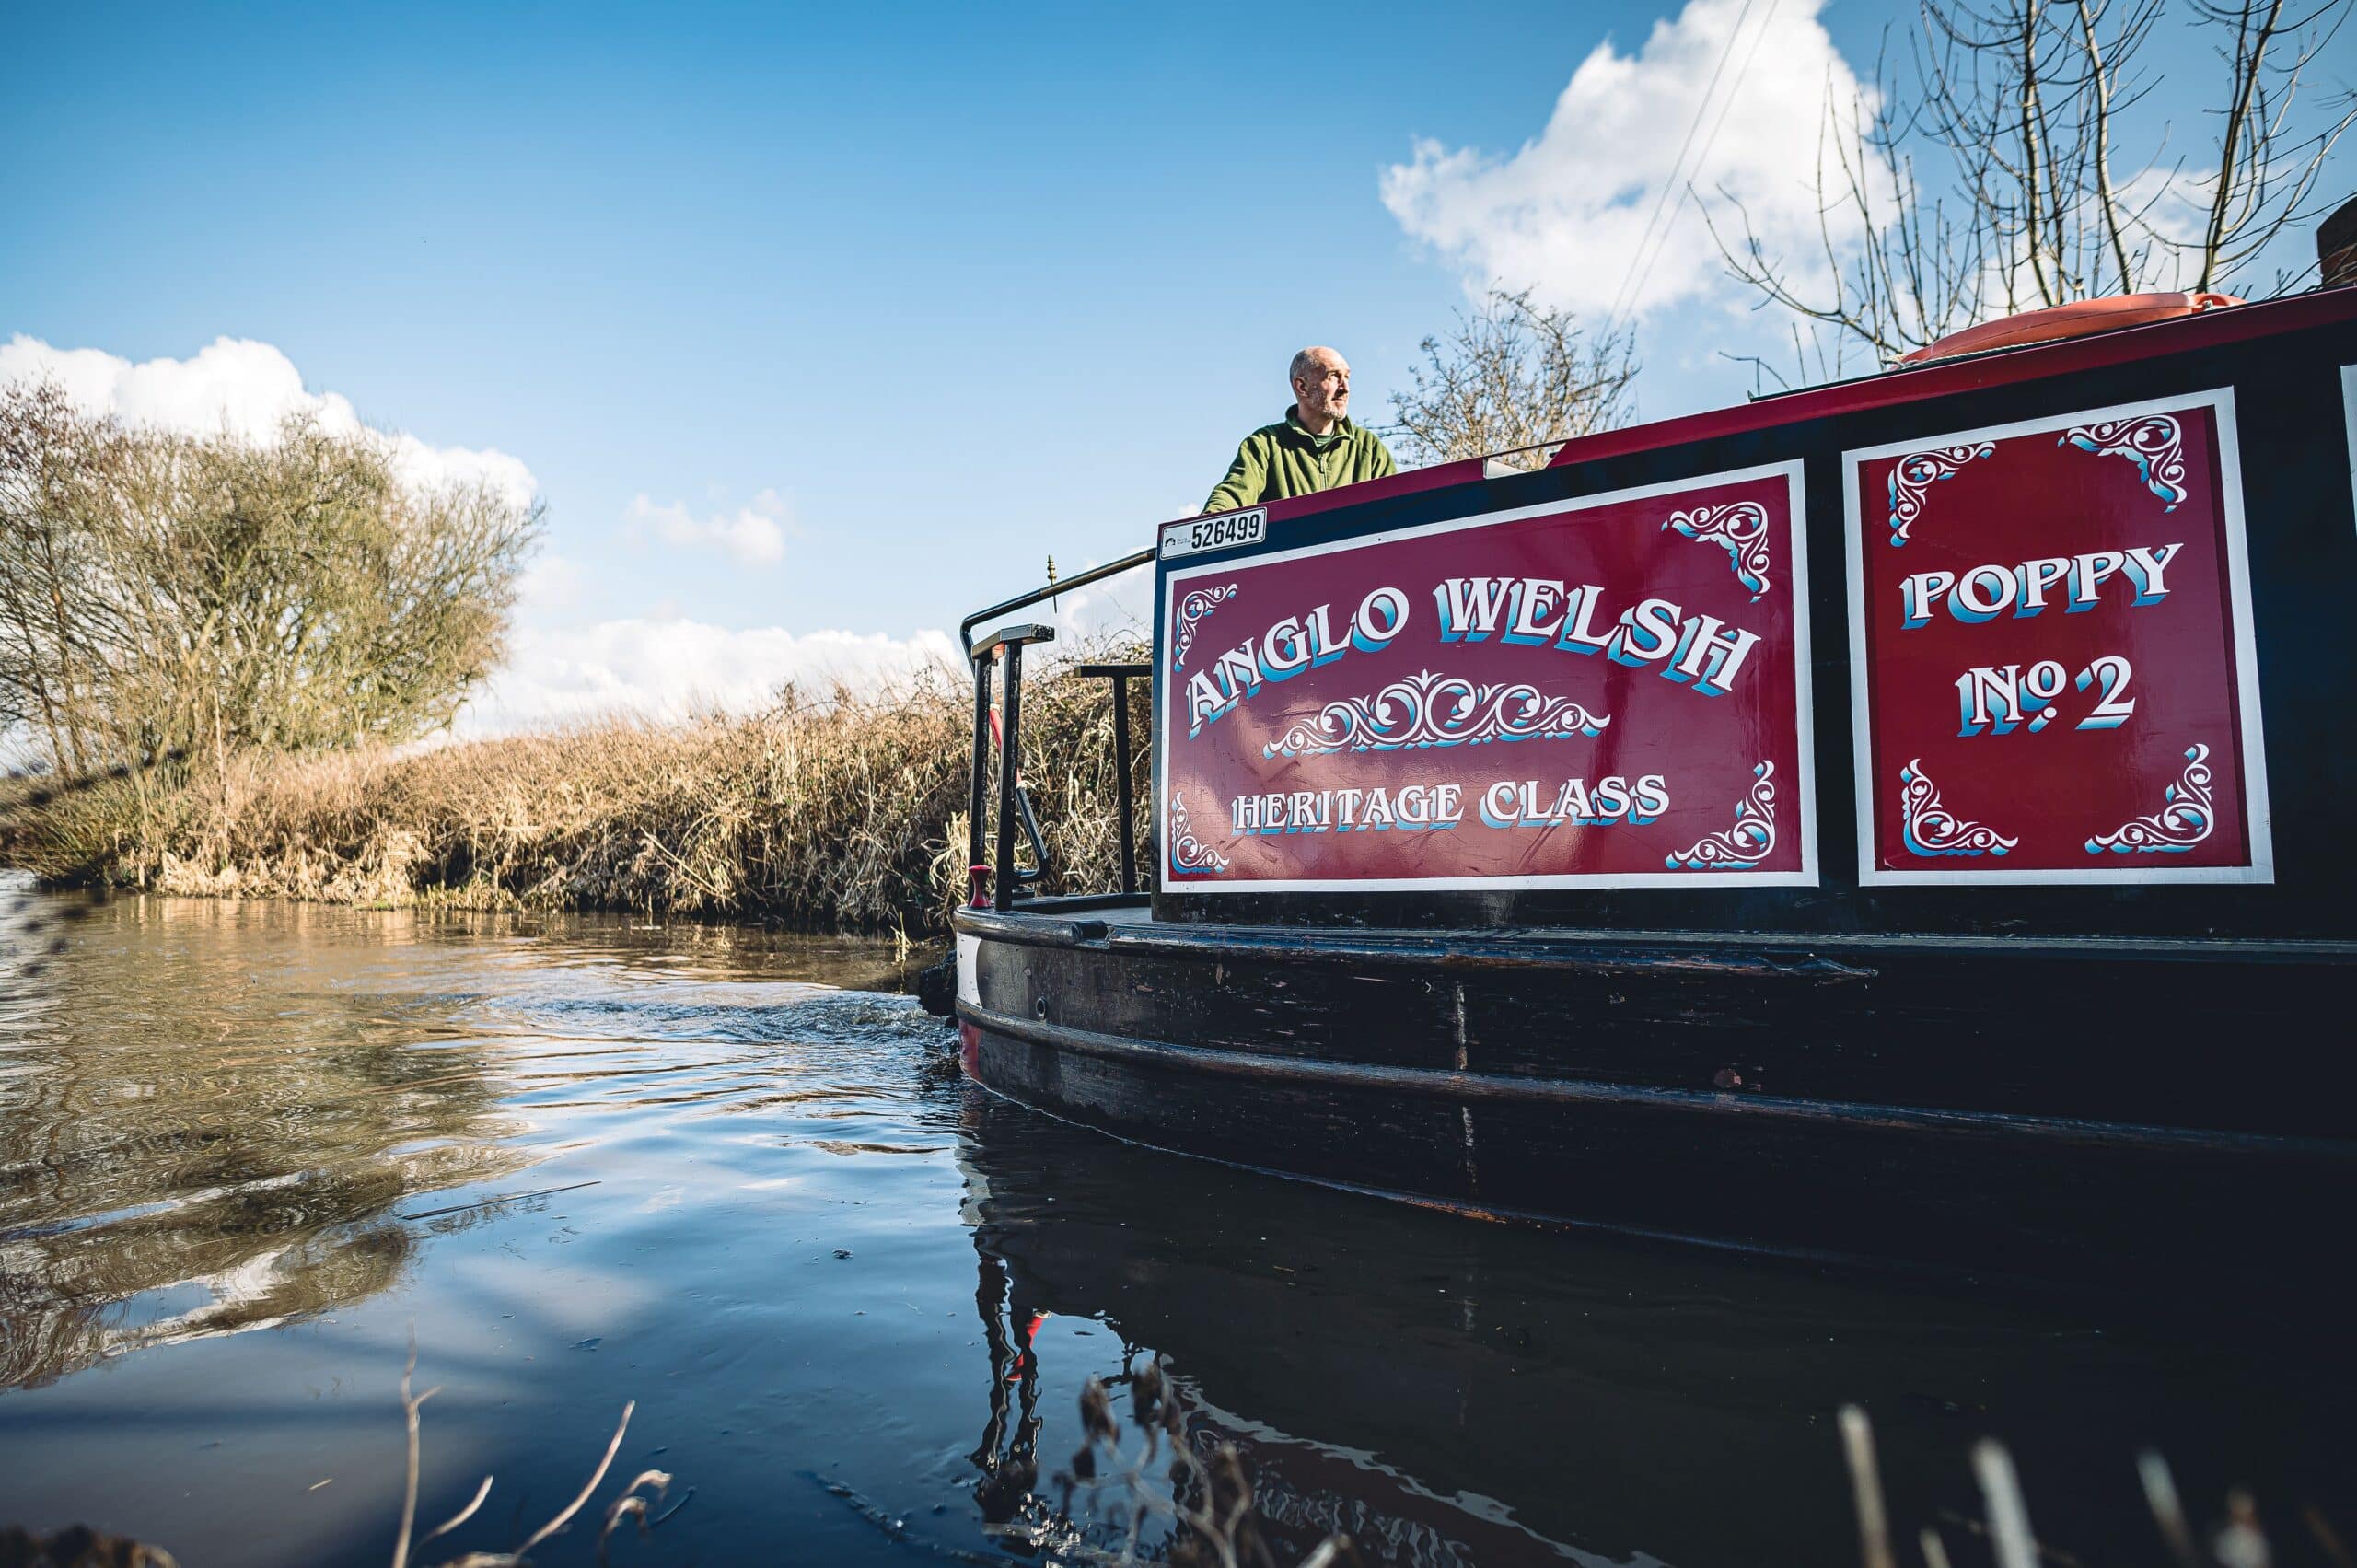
(1988, 176)
(82, 1548)
(1511, 376)
(171, 594)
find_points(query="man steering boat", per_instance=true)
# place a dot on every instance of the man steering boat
(1314, 447)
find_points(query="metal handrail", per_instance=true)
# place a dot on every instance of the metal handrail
(1064, 585)
(1004, 646)
(1120, 675)
(1114, 569)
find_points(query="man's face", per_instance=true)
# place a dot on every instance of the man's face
(1325, 392)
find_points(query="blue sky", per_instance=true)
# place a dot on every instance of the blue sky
(842, 320)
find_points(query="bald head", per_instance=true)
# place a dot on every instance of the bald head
(1321, 389)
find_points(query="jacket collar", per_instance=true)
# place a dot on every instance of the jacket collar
(1299, 433)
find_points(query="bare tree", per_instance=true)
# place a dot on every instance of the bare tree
(1987, 179)
(45, 455)
(1512, 375)
(163, 594)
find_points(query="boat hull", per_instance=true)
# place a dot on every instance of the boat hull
(1905, 1099)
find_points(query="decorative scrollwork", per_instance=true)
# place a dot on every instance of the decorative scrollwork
(1739, 528)
(1916, 472)
(1192, 609)
(2154, 444)
(1745, 845)
(1425, 709)
(1189, 854)
(1931, 828)
(2187, 815)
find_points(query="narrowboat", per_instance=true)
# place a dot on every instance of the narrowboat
(1898, 819)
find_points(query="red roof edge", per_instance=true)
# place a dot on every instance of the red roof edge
(1997, 367)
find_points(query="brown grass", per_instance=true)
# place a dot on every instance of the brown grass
(843, 812)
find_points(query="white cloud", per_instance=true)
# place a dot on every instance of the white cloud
(1115, 606)
(551, 582)
(754, 535)
(660, 666)
(1564, 216)
(668, 669)
(246, 388)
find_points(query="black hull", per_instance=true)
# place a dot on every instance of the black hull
(1999, 1105)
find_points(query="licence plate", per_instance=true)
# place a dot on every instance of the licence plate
(1222, 532)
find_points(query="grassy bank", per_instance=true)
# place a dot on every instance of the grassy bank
(843, 812)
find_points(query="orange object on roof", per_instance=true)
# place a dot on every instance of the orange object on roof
(2076, 320)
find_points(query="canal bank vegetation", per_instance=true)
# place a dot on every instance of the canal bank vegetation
(835, 810)
(228, 658)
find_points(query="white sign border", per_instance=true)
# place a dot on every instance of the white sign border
(2261, 869)
(1796, 528)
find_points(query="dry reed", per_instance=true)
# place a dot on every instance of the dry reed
(2238, 1542)
(843, 811)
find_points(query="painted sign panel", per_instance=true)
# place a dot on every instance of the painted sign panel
(1603, 692)
(2051, 662)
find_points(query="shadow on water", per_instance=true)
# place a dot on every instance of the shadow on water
(245, 1149)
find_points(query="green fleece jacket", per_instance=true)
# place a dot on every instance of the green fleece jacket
(1282, 459)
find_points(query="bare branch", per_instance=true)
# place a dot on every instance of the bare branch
(410, 1407)
(595, 1476)
(1987, 179)
(1511, 376)
(461, 1516)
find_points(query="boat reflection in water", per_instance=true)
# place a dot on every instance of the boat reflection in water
(1447, 1392)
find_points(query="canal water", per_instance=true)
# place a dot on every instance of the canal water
(732, 1180)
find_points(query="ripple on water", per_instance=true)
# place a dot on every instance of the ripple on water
(245, 1149)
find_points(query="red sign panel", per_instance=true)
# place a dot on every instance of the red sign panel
(1602, 693)
(2051, 660)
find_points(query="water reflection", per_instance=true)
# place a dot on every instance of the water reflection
(1008, 1455)
(207, 1153)
(1303, 1493)
(190, 1148)
(856, 1299)
(1451, 1392)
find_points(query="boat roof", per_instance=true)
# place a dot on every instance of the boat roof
(1916, 383)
